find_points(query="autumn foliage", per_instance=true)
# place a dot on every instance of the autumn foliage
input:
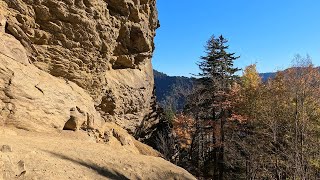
(184, 126)
(272, 130)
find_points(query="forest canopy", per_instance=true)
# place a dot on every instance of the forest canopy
(250, 127)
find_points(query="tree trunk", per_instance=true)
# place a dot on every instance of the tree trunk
(296, 141)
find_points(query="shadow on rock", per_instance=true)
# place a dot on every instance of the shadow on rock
(100, 170)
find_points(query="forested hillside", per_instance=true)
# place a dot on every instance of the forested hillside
(266, 76)
(171, 91)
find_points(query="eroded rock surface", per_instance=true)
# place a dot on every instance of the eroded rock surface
(103, 46)
(32, 99)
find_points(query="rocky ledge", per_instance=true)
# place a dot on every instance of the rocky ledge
(74, 155)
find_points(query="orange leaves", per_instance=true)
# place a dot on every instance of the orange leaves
(184, 127)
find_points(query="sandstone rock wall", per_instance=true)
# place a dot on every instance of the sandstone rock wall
(34, 100)
(103, 46)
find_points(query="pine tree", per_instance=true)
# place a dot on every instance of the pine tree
(211, 107)
(218, 63)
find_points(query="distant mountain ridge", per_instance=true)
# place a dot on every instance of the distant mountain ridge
(266, 76)
(172, 90)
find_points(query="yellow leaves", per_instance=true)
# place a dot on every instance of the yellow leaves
(251, 78)
(315, 163)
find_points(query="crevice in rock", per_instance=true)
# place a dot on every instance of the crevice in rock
(108, 103)
(123, 62)
(117, 8)
(36, 86)
(120, 66)
(87, 3)
(6, 30)
(7, 88)
(10, 81)
(131, 40)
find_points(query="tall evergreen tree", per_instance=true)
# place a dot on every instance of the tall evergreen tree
(210, 104)
(218, 63)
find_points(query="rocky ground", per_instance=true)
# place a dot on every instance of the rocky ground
(74, 155)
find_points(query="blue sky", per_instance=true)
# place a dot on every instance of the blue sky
(266, 32)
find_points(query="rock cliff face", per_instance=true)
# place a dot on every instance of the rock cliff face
(73, 63)
(78, 64)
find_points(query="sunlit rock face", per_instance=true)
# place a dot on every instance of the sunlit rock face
(103, 48)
